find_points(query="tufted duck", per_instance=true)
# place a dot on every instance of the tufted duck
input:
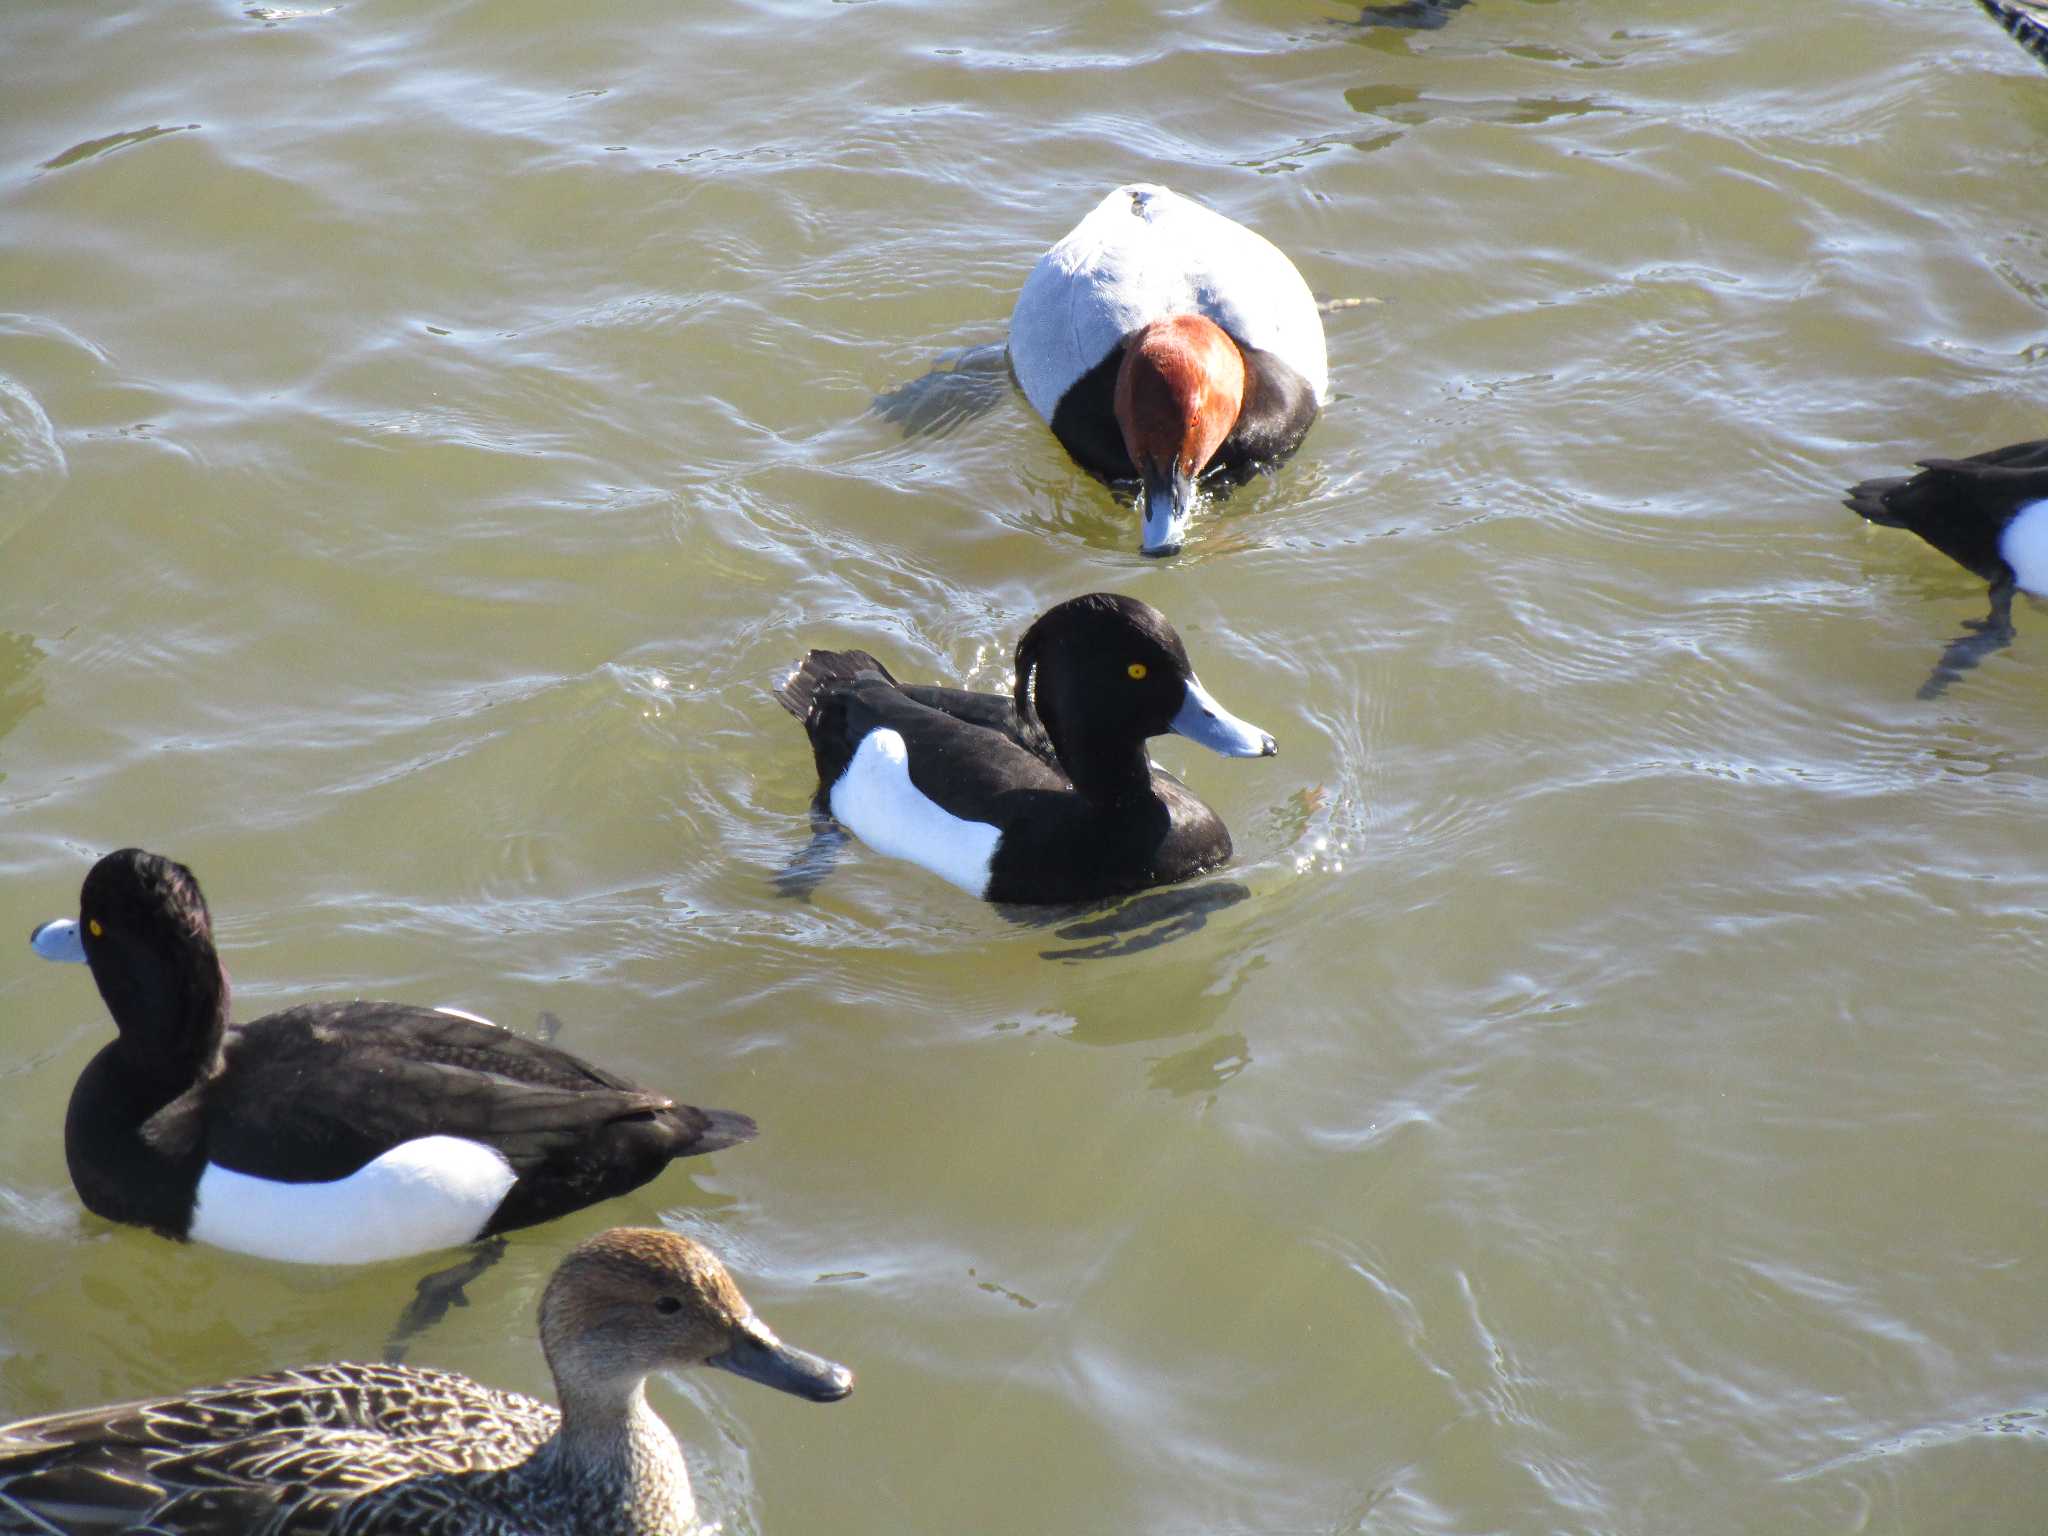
(1042, 796)
(333, 1133)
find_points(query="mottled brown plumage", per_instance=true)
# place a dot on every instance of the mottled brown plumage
(361, 1450)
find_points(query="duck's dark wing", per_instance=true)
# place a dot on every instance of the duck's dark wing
(2033, 455)
(842, 695)
(313, 1093)
(960, 765)
(286, 1451)
(991, 711)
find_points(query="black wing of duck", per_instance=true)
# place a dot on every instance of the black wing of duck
(335, 1085)
(2026, 20)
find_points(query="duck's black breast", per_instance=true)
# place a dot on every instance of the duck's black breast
(1279, 408)
(1085, 421)
(119, 1173)
(1059, 846)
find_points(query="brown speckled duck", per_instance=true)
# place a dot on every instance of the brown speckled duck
(364, 1449)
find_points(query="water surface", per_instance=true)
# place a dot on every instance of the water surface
(427, 431)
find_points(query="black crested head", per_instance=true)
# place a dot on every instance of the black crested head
(1102, 673)
(148, 937)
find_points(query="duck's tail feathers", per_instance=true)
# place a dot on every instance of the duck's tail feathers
(1870, 500)
(820, 670)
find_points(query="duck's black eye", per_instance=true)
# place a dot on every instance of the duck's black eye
(667, 1304)
(1136, 671)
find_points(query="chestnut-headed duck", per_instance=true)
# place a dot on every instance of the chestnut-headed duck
(1166, 344)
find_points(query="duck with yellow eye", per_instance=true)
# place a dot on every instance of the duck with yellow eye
(343, 1132)
(1043, 795)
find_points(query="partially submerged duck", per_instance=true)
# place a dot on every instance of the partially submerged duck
(1166, 344)
(335, 1133)
(1043, 795)
(367, 1449)
(2026, 20)
(1988, 513)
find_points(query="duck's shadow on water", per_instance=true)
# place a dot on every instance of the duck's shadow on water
(810, 864)
(963, 384)
(1418, 15)
(1128, 926)
(1984, 637)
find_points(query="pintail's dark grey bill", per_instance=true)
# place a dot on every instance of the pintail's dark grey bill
(760, 1356)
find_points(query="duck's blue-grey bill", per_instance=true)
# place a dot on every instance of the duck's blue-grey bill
(760, 1356)
(1202, 719)
(1166, 503)
(59, 939)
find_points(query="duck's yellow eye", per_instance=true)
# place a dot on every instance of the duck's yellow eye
(1136, 671)
(92, 926)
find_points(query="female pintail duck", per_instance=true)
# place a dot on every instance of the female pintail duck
(367, 1449)
(1163, 342)
(2026, 20)
(1042, 796)
(1988, 513)
(334, 1133)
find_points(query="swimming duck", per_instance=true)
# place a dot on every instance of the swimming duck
(1988, 513)
(334, 1133)
(2026, 20)
(1045, 795)
(1162, 343)
(368, 1449)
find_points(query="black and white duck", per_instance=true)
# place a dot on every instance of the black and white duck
(335, 1133)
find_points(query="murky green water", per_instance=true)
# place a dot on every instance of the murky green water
(426, 431)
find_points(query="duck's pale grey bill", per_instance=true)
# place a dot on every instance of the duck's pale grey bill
(760, 1356)
(1202, 719)
(1168, 500)
(59, 939)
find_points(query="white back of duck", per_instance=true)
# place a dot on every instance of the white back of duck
(1146, 252)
